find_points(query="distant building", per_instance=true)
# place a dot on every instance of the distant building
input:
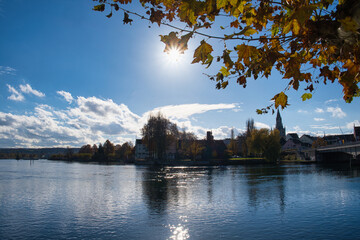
(292, 136)
(307, 139)
(141, 151)
(279, 126)
(295, 144)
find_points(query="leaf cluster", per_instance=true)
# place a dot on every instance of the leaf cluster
(307, 41)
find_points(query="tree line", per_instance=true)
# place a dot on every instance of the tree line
(161, 136)
(106, 152)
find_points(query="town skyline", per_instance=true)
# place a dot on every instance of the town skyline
(69, 76)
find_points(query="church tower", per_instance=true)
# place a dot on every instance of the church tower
(279, 126)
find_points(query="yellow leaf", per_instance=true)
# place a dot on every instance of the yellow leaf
(280, 100)
(250, 31)
(295, 26)
(287, 28)
(352, 68)
(221, 3)
(306, 96)
(224, 71)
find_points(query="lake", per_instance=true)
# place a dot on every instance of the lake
(57, 200)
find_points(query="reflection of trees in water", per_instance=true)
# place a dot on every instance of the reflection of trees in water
(264, 183)
(155, 186)
(169, 186)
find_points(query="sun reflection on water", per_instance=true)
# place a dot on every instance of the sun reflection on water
(179, 232)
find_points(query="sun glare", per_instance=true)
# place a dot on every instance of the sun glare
(174, 55)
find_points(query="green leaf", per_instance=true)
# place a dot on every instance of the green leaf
(306, 96)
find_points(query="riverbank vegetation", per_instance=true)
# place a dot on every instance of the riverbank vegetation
(107, 152)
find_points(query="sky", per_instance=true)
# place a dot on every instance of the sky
(70, 76)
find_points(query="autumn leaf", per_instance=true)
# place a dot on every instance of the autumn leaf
(306, 96)
(100, 7)
(227, 60)
(224, 84)
(352, 68)
(126, 19)
(224, 71)
(246, 53)
(109, 15)
(280, 100)
(247, 31)
(202, 52)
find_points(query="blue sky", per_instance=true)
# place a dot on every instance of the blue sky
(70, 76)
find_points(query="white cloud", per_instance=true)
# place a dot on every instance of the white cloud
(331, 100)
(29, 90)
(302, 111)
(184, 111)
(319, 110)
(350, 125)
(325, 127)
(93, 120)
(299, 131)
(319, 119)
(15, 95)
(66, 95)
(336, 112)
(7, 70)
(261, 125)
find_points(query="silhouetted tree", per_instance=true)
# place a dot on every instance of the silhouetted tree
(86, 149)
(109, 148)
(158, 133)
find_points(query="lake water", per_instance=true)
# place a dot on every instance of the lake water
(56, 200)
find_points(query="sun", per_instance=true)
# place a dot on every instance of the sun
(174, 55)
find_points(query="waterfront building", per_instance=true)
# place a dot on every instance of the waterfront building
(141, 151)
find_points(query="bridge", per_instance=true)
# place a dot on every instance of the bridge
(348, 152)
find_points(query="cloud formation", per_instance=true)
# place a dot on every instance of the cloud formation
(331, 100)
(319, 110)
(261, 125)
(336, 112)
(15, 95)
(7, 70)
(66, 95)
(319, 119)
(93, 120)
(184, 111)
(29, 90)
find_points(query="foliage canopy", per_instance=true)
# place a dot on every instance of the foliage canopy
(307, 41)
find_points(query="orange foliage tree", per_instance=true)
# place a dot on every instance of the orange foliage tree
(307, 41)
